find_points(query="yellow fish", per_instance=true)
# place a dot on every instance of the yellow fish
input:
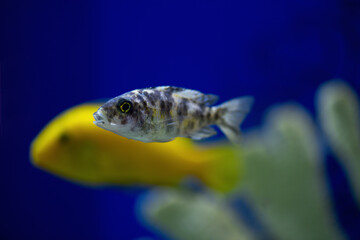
(72, 147)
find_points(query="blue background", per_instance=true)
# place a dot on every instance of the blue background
(56, 54)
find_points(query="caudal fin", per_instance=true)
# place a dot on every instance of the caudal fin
(232, 114)
(224, 169)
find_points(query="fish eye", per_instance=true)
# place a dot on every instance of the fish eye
(64, 137)
(124, 106)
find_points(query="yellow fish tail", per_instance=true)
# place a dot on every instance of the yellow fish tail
(223, 170)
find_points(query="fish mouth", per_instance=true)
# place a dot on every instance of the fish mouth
(99, 117)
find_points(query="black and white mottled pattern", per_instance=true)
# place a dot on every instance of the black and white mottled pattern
(160, 114)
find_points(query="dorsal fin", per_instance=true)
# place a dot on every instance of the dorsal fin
(198, 97)
(169, 88)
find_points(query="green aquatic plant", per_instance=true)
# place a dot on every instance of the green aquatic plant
(338, 109)
(284, 177)
(185, 215)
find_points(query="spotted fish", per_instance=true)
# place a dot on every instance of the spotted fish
(160, 114)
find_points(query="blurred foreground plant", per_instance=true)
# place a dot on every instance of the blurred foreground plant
(284, 177)
(185, 215)
(338, 109)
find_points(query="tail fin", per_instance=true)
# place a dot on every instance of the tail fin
(224, 169)
(233, 113)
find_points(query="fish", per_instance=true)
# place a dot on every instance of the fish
(160, 114)
(73, 148)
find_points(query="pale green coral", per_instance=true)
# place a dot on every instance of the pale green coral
(338, 109)
(189, 216)
(284, 177)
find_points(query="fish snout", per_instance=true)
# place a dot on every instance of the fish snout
(100, 117)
